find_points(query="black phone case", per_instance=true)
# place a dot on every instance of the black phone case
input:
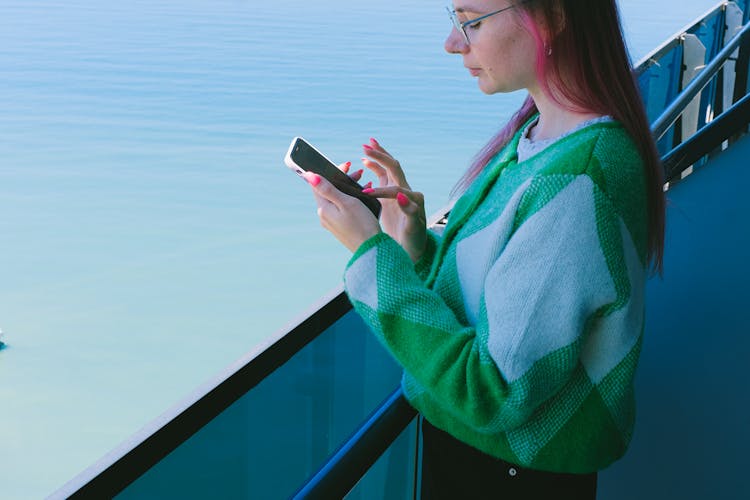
(308, 158)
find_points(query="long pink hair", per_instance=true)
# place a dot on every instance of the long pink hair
(590, 71)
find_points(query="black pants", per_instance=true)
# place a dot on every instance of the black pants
(454, 470)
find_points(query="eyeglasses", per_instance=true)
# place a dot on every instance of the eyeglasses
(461, 26)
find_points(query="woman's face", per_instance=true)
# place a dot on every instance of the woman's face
(501, 53)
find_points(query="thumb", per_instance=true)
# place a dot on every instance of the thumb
(323, 188)
(406, 205)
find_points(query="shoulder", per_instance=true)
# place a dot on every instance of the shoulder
(606, 143)
(600, 167)
(614, 162)
(604, 152)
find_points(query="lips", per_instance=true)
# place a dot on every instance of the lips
(473, 71)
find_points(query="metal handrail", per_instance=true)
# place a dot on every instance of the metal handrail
(347, 466)
(706, 139)
(121, 466)
(660, 51)
(351, 461)
(675, 109)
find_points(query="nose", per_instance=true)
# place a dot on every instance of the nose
(456, 43)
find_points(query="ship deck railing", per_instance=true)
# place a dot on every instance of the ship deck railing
(317, 412)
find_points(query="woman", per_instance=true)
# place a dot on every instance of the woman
(519, 328)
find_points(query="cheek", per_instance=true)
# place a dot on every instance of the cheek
(498, 44)
(514, 56)
(500, 56)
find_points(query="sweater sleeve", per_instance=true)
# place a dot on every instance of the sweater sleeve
(540, 295)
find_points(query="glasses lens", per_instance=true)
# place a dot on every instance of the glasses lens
(457, 23)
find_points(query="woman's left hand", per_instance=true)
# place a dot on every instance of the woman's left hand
(347, 218)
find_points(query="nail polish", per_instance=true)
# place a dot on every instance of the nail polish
(313, 179)
(367, 147)
(368, 185)
(402, 199)
(368, 190)
(374, 142)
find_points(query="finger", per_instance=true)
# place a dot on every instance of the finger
(377, 146)
(322, 189)
(328, 196)
(403, 200)
(324, 205)
(311, 178)
(377, 169)
(357, 175)
(325, 209)
(387, 192)
(411, 209)
(379, 152)
(389, 163)
(344, 167)
(403, 197)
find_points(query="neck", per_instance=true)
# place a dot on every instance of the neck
(555, 119)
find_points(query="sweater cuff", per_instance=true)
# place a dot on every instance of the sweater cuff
(373, 241)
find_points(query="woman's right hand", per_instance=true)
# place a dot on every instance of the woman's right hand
(402, 215)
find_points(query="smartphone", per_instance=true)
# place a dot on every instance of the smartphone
(303, 157)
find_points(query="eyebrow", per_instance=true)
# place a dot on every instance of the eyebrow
(467, 9)
(464, 10)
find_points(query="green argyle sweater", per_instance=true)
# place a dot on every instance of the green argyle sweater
(519, 330)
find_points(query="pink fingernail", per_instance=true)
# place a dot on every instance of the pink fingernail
(358, 172)
(374, 142)
(368, 185)
(368, 190)
(346, 166)
(402, 199)
(313, 179)
(367, 147)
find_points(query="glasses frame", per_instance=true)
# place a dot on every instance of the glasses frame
(461, 26)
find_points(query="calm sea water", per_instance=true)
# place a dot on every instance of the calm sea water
(149, 233)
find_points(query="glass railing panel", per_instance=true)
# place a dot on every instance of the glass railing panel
(393, 476)
(659, 85)
(279, 433)
(710, 31)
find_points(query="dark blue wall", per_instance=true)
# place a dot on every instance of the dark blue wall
(693, 426)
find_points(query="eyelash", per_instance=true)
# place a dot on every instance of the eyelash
(474, 25)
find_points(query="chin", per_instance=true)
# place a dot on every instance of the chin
(485, 88)
(490, 88)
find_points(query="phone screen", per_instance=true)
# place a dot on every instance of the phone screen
(309, 159)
